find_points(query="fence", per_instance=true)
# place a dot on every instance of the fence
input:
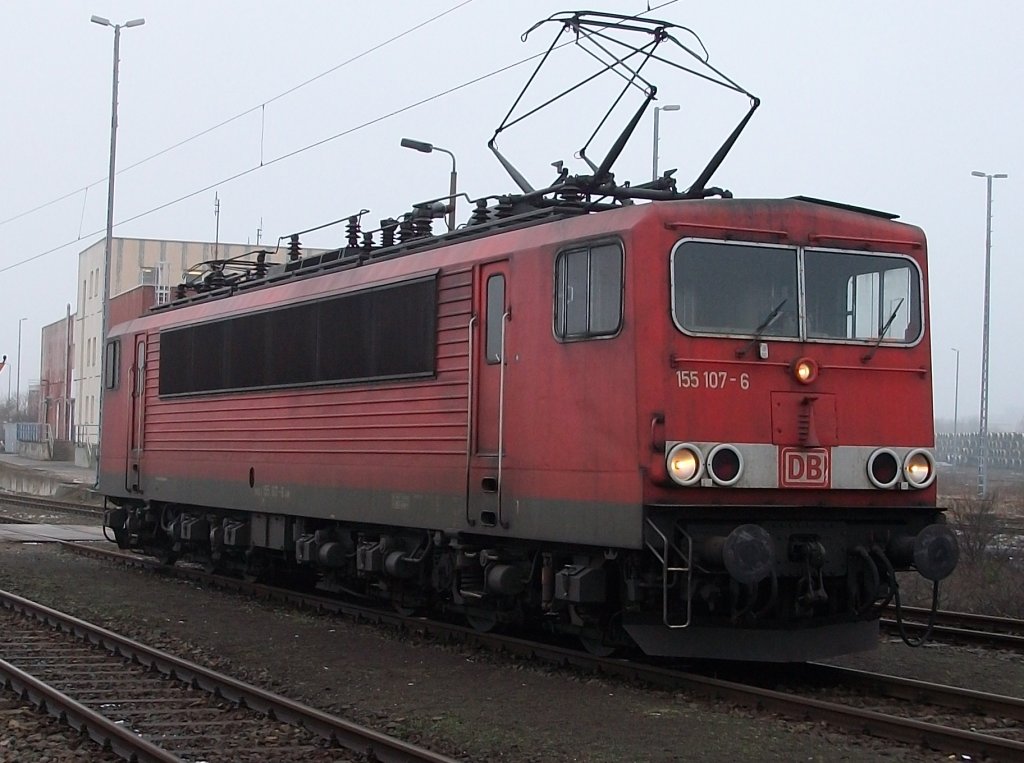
(1005, 449)
(33, 432)
(34, 440)
(85, 434)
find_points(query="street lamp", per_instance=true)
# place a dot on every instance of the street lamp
(983, 423)
(108, 245)
(956, 390)
(426, 148)
(657, 110)
(17, 370)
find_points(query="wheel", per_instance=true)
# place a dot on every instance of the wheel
(165, 555)
(403, 610)
(482, 620)
(595, 645)
(256, 567)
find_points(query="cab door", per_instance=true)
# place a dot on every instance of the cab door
(136, 417)
(489, 389)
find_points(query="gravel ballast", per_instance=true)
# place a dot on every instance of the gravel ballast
(459, 700)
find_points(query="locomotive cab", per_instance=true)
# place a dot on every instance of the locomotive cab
(790, 465)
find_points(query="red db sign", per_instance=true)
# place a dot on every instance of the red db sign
(804, 467)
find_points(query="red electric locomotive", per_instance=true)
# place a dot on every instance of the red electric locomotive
(697, 425)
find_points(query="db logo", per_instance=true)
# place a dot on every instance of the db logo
(804, 467)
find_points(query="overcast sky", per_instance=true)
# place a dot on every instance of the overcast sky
(882, 105)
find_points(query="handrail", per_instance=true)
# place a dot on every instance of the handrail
(469, 420)
(501, 410)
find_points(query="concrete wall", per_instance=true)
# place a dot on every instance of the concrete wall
(15, 479)
(39, 451)
(85, 455)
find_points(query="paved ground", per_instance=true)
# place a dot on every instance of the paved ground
(63, 471)
(49, 479)
(49, 533)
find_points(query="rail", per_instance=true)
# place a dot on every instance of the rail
(963, 627)
(106, 723)
(34, 503)
(857, 720)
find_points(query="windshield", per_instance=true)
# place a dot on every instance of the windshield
(794, 293)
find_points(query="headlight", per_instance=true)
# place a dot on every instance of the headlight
(883, 468)
(804, 370)
(919, 468)
(725, 465)
(684, 463)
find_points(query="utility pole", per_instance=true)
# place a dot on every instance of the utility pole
(983, 423)
(108, 245)
(216, 214)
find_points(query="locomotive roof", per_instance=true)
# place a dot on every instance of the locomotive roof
(850, 207)
(847, 221)
(624, 46)
(566, 197)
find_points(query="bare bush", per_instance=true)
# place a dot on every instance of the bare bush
(976, 524)
(993, 587)
(990, 577)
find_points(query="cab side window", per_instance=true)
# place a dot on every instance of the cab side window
(495, 318)
(112, 362)
(588, 292)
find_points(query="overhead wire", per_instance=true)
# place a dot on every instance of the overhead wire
(303, 149)
(275, 160)
(247, 112)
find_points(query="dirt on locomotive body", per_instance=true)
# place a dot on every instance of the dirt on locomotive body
(654, 418)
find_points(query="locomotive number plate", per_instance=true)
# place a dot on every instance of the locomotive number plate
(711, 380)
(805, 467)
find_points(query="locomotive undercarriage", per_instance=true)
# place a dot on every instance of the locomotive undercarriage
(700, 588)
(824, 584)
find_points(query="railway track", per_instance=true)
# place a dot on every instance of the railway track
(881, 706)
(953, 627)
(35, 503)
(147, 705)
(960, 627)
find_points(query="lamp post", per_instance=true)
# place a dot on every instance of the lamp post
(956, 391)
(983, 421)
(426, 148)
(108, 245)
(17, 370)
(657, 110)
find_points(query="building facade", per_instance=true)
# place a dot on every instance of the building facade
(134, 262)
(56, 395)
